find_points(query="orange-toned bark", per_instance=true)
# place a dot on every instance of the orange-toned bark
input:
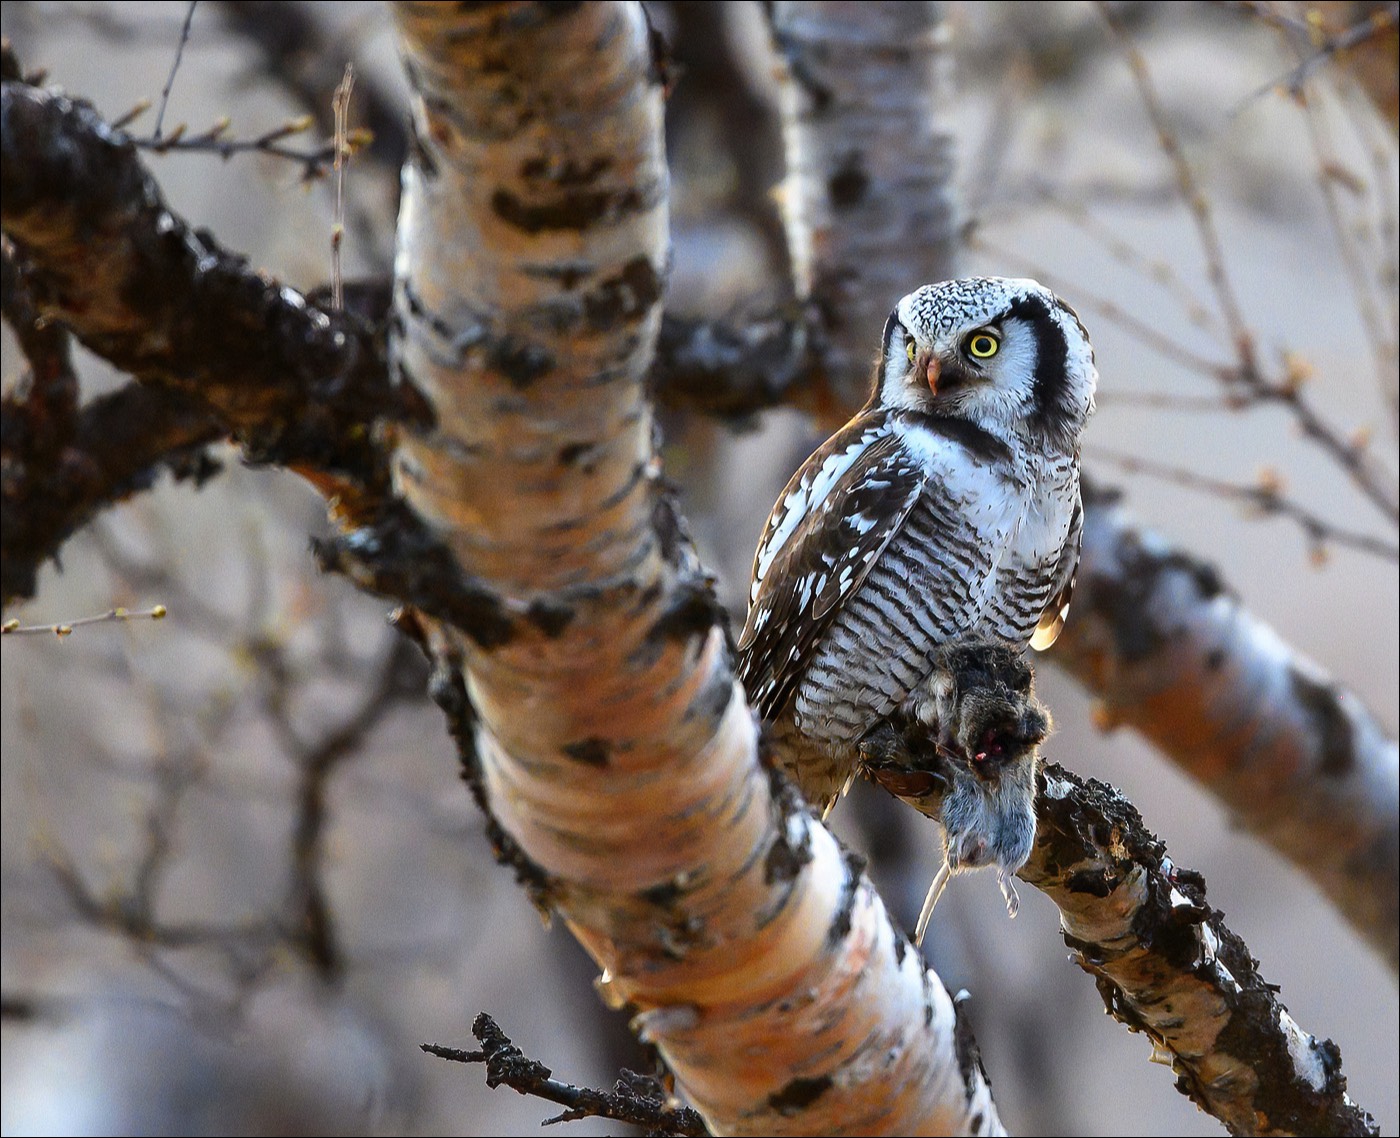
(614, 747)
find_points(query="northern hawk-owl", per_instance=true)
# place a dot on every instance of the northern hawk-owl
(947, 508)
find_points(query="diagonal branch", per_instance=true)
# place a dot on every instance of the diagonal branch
(1294, 757)
(611, 746)
(138, 286)
(1163, 959)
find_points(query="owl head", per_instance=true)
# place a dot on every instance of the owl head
(1006, 354)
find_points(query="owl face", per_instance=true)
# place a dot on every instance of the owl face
(996, 351)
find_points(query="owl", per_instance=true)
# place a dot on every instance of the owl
(948, 508)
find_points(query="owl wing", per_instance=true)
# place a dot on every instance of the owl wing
(837, 515)
(1052, 620)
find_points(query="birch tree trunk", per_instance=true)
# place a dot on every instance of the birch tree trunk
(615, 749)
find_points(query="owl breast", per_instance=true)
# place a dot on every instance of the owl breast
(976, 558)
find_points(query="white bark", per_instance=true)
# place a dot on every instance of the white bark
(613, 746)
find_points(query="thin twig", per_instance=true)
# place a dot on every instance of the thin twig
(174, 67)
(1191, 194)
(1266, 496)
(1307, 32)
(14, 628)
(637, 1099)
(341, 105)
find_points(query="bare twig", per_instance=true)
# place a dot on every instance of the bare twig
(1374, 482)
(343, 152)
(65, 628)
(1266, 497)
(174, 67)
(1314, 44)
(636, 1099)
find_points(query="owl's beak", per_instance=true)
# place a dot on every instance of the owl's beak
(933, 367)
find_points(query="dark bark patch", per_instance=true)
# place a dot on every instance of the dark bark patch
(785, 858)
(847, 186)
(520, 361)
(584, 455)
(591, 752)
(965, 1046)
(1095, 882)
(549, 616)
(1331, 728)
(627, 296)
(798, 1095)
(691, 610)
(567, 173)
(577, 209)
(663, 895)
(850, 890)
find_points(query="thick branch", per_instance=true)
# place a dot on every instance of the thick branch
(1296, 759)
(1163, 959)
(139, 287)
(613, 750)
(868, 198)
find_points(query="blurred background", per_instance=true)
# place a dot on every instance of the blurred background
(242, 880)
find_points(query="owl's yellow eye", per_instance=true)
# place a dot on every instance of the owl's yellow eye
(982, 345)
(909, 350)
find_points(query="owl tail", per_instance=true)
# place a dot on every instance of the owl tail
(935, 891)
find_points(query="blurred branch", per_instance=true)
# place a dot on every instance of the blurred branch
(1266, 498)
(1163, 959)
(1375, 483)
(636, 1099)
(868, 199)
(311, 925)
(1291, 755)
(118, 446)
(1366, 45)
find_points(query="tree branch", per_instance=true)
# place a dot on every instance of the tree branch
(868, 199)
(613, 750)
(1295, 758)
(1163, 959)
(296, 385)
(636, 1099)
